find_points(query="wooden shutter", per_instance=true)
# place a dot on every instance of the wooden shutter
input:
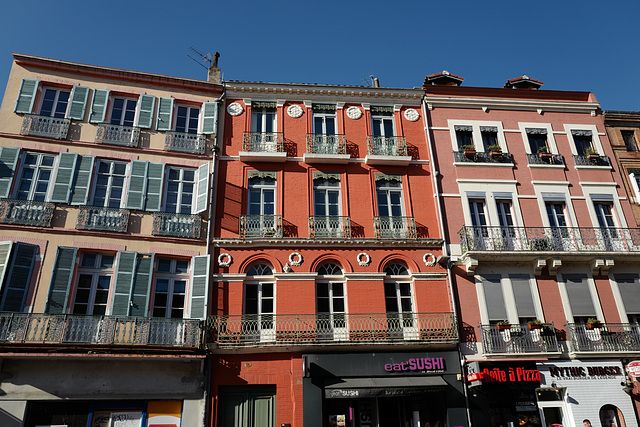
(199, 286)
(5, 254)
(202, 194)
(82, 180)
(14, 292)
(209, 117)
(137, 184)
(27, 96)
(78, 103)
(165, 114)
(124, 283)
(64, 177)
(8, 162)
(99, 106)
(142, 286)
(145, 114)
(61, 280)
(155, 177)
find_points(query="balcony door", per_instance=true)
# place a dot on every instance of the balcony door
(263, 128)
(259, 306)
(390, 208)
(508, 233)
(326, 207)
(608, 233)
(561, 236)
(382, 128)
(398, 298)
(481, 236)
(261, 207)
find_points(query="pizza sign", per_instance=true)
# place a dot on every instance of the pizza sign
(634, 368)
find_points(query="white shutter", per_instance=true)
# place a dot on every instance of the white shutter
(202, 194)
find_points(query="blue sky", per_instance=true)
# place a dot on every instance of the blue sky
(581, 45)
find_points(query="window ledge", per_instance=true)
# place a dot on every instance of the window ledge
(326, 158)
(375, 159)
(596, 167)
(484, 164)
(256, 156)
(534, 166)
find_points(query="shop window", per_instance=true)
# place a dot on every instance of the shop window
(611, 416)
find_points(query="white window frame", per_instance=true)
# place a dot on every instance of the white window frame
(490, 192)
(326, 189)
(605, 192)
(595, 137)
(95, 273)
(262, 187)
(564, 295)
(38, 168)
(126, 98)
(189, 107)
(551, 141)
(180, 183)
(172, 277)
(477, 134)
(324, 115)
(383, 117)
(635, 184)
(263, 115)
(58, 90)
(508, 295)
(94, 184)
(409, 332)
(327, 281)
(264, 334)
(388, 190)
(548, 191)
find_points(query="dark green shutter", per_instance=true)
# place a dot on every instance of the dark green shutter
(203, 189)
(137, 184)
(165, 114)
(61, 280)
(124, 283)
(155, 178)
(27, 96)
(14, 292)
(8, 162)
(82, 180)
(78, 103)
(63, 178)
(209, 117)
(199, 286)
(99, 106)
(145, 115)
(142, 286)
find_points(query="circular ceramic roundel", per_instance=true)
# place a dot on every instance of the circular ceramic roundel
(294, 111)
(235, 109)
(224, 260)
(411, 115)
(363, 259)
(429, 260)
(354, 113)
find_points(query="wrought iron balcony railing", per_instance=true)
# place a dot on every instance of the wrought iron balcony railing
(606, 337)
(318, 143)
(185, 142)
(127, 136)
(27, 328)
(592, 160)
(481, 157)
(322, 329)
(177, 225)
(333, 227)
(573, 239)
(99, 218)
(387, 145)
(26, 212)
(263, 142)
(550, 159)
(261, 226)
(519, 339)
(394, 227)
(49, 127)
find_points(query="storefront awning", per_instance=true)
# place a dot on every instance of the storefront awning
(380, 387)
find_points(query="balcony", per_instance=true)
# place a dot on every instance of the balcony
(260, 226)
(322, 148)
(608, 337)
(263, 147)
(176, 225)
(592, 160)
(481, 157)
(329, 227)
(227, 331)
(126, 136)
(545, 159)
(394, 227)
(185, 142)
(27, 328)
(48, 127)
(100, 218)
(387, 150)
(26, 212)
(519, 339)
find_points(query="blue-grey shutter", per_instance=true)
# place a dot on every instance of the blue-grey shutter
(14, 292)
(78, 103)
(5, 255)
(64, 177)
(137, 184)
(155, 177)
(202, 193)
(145, 115)
(8, 162)
(99, 106)
(209, 117)
(522, 293)
(61, 278)
(142, 286)
(82, 180)
(629, 286)
(165, 114)
(494, 297)
(121, 302)
(199, 286)
(27, 96)
(579, 296)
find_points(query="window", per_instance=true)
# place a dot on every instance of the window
(580, 300)
(477, 212)
(629, 140)
(389, 197)
(629, 287)
(538, 141)
(170, 291)
(464, 137)
(180, 189)
(399, 308)
(604, 213)
(109, 183)
(94, 281)
(16, 267)
(489, 137)
(382, 121)
(259, 304)
(504, 213)
(263, 117)
(54, 102)
(324, 119)
(123, 111)
(35, 175)
(326, 202)
(556, 214)
(330, 303)
(582, 141)
(187, 119)
(262, 195)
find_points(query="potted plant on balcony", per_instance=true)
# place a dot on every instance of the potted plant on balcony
(503, 325)
(592, 154)
(543, 153)
(495, 150)
(534, 324)
(593, 323)
(469, 150)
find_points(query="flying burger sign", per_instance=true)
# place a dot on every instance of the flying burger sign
(634, 368)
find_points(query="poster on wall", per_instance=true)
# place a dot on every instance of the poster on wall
(337, 420)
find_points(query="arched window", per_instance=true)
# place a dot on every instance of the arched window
(330, 302)
(259, 303)
(329, 269)
(260, 269)
(396, 269)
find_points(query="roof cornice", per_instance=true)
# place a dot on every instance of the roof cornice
(540, 106)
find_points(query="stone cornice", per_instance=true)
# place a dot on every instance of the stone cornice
(313, 243)
(512, 104)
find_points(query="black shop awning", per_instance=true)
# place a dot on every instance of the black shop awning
(380, 387)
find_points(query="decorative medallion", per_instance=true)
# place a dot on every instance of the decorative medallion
(294, 111)
(411, 115)
(354, 112)
(363, 259)
(224, 260)
(235, 109)
(429, 260)
(295, 259)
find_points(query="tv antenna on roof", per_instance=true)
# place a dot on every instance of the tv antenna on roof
(211, 60)
(371, 82)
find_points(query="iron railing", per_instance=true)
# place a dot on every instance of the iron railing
(100, 218)
(335, 227)
(26, 212)
(185, 142)
(580, 239)
(260, 226)
(592, 160)
(394, 227)
(177, 225)
(519, 339)
(263, 142)
(127, 136)
(49, 127)
(318, 143)
(551, 159)
(482, 157)
(321, 329)
(611, 337)
(387, 145)
(28, 328)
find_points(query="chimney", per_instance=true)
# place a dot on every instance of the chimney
(214, 75)
(523, 82)
(444, 78)
(376, 82)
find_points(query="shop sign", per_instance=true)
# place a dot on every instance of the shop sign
(634, 368)
(417, 364)
(584, 372)
(476, 375)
